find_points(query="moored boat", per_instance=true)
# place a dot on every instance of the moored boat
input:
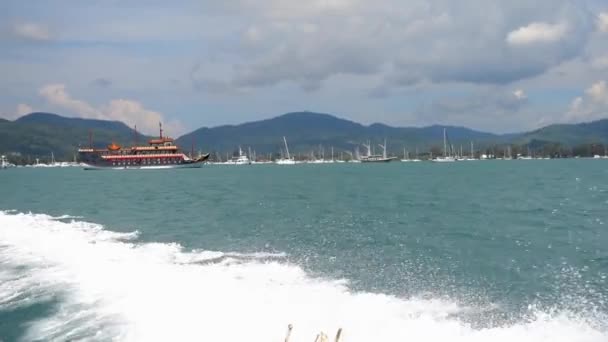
(160, 153)
(376, 158)
(4, 164)
(447, 157)
(242, 159)
(285, 160)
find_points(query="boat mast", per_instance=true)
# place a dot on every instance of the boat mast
(445, 146)
(160, 127)
(134, 135)
(368, 148)
(383, 149)
(192, 148)
(286, 148)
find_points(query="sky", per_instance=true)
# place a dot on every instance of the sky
(497, 66)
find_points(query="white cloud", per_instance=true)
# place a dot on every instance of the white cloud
(32, 31)
(400, 44)
(592, 106)
(520, 94)
(57, 95)
(537, 33)
(274, 55)
(598, 93)
(21, 110)
(600, 63)
(602, 22)
(127, 111)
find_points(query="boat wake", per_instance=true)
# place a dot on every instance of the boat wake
(105, 285)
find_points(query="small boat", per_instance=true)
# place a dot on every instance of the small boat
(447, 157)
(241, 159)
(285, 161)
(160, 153)
(406, 156)
(4, 164)
(376, 158)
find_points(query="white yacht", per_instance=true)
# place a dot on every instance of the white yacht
(241, 159)
(285, 161)
(447, 157)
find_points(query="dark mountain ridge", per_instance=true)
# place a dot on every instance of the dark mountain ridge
(39, 134)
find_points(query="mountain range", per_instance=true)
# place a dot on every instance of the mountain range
(39, 134)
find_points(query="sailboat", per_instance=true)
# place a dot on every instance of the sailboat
(4, 164)
(376, 158)
(406, 156)
(447, 157)
(416, 159)
(285, 161)
(471, 156)
(55, 163)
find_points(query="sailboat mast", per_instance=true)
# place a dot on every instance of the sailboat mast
(192, 147)
(384, 150)
(286, 148)
(445, 144)
(135, 135)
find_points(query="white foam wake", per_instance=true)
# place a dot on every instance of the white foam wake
(111, 287)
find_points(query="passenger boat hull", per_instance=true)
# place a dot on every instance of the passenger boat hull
(377, 160)
(95, 161)
(195, 165)
(159, 154)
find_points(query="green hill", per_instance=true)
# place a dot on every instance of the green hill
(306, 131)
(570, 134)
(39, 134)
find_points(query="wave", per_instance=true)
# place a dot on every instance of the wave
(111, 287)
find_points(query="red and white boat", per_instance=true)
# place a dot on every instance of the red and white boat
(161, 153)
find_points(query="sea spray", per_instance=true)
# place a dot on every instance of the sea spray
(110, 286)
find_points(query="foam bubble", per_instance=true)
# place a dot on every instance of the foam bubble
(112, 287)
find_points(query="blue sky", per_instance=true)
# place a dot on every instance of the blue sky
(499, 66)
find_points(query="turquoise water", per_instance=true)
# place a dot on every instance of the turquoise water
(468, 251)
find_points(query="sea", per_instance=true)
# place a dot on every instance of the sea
(467, 251)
